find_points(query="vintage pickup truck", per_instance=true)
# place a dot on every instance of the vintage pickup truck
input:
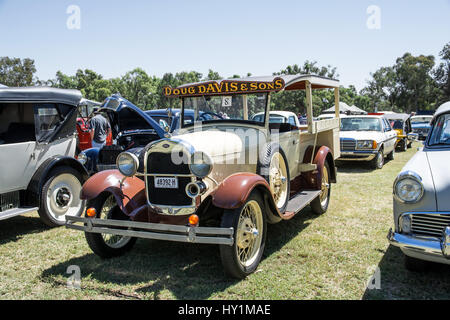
(222, 178)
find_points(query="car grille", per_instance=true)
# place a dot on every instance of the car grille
(429, 224)
(348, 144)
(161, 163)
(9, 201)
(108, 154)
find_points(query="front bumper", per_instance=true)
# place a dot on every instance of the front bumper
(358, 155)
(426, 248)
(155, 231)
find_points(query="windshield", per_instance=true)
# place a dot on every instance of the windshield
(397, 124)
(440, 134)
(360, 124)
(227, 108)
(421, 119)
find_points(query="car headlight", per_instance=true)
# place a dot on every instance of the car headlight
(408, 187)
(82, 158)
(201, 164)
(366, 144)
(127, 163)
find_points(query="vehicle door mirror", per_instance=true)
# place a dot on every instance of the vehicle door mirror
(164, 125)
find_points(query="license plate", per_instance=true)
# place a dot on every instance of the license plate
(166, 182)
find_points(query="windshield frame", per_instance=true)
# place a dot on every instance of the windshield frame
(225, 121)
(430, 134)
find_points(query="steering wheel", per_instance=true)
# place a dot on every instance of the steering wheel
(202, 116)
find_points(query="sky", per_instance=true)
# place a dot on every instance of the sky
(230, 37)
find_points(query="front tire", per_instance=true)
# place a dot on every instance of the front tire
(320, 204)
(60, 196)
(378, 161)
(249, 223)
(105, 245)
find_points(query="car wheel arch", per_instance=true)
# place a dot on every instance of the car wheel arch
(43, 172)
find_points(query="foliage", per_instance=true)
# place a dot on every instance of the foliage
(412, 83)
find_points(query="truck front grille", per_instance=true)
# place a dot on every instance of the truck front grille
(161, 164)
(348, 144)
(429, 224)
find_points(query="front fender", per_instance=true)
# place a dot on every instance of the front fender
(234, 190)
(129, 194)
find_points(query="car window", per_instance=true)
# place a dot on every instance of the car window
(360, 124)
(47, 119)
(440, 134)
(292, 121)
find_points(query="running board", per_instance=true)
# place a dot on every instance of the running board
(15, 212)
(300, 201)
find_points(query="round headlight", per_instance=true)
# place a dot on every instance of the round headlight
(408, 188)
(201, 164)
(82, 158)
(127, 163)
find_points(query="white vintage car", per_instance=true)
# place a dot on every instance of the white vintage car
(281, 117)
(367, 138)
(421, 199)
(37, 148)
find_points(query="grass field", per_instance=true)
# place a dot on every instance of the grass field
(326, 257)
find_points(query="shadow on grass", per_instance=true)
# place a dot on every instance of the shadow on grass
(399, 283)
(14, 228)
(188, 271)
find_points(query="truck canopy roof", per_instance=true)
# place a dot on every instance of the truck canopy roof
(40, 94)
(287, 83)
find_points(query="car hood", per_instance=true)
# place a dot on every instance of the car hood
(217, 144)
(362, 135)
(125, 116)
(438, 162)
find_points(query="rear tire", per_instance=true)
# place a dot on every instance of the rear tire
(60, 196)
(103, 245)
(320, 204)
(415, 265)
(249, 223)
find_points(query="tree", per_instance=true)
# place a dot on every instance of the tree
(442, 74)
(16, 72)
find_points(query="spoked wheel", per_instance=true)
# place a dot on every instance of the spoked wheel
(108, 245)
(60, 196)
(249, 223)
(274, 168)
(320, 204)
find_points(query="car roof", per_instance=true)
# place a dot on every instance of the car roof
(41, 94)
(444, 108)
(365, 116)
(397, 116)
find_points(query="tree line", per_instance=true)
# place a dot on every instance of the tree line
(412, 83)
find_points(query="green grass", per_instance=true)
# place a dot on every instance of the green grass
(309, 257)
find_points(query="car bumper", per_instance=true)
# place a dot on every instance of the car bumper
(155, 231)
(357, 155)
(426, 248)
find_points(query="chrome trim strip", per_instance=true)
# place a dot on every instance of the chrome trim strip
(205, 235)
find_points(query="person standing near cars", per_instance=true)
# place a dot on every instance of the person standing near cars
(100, 129)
